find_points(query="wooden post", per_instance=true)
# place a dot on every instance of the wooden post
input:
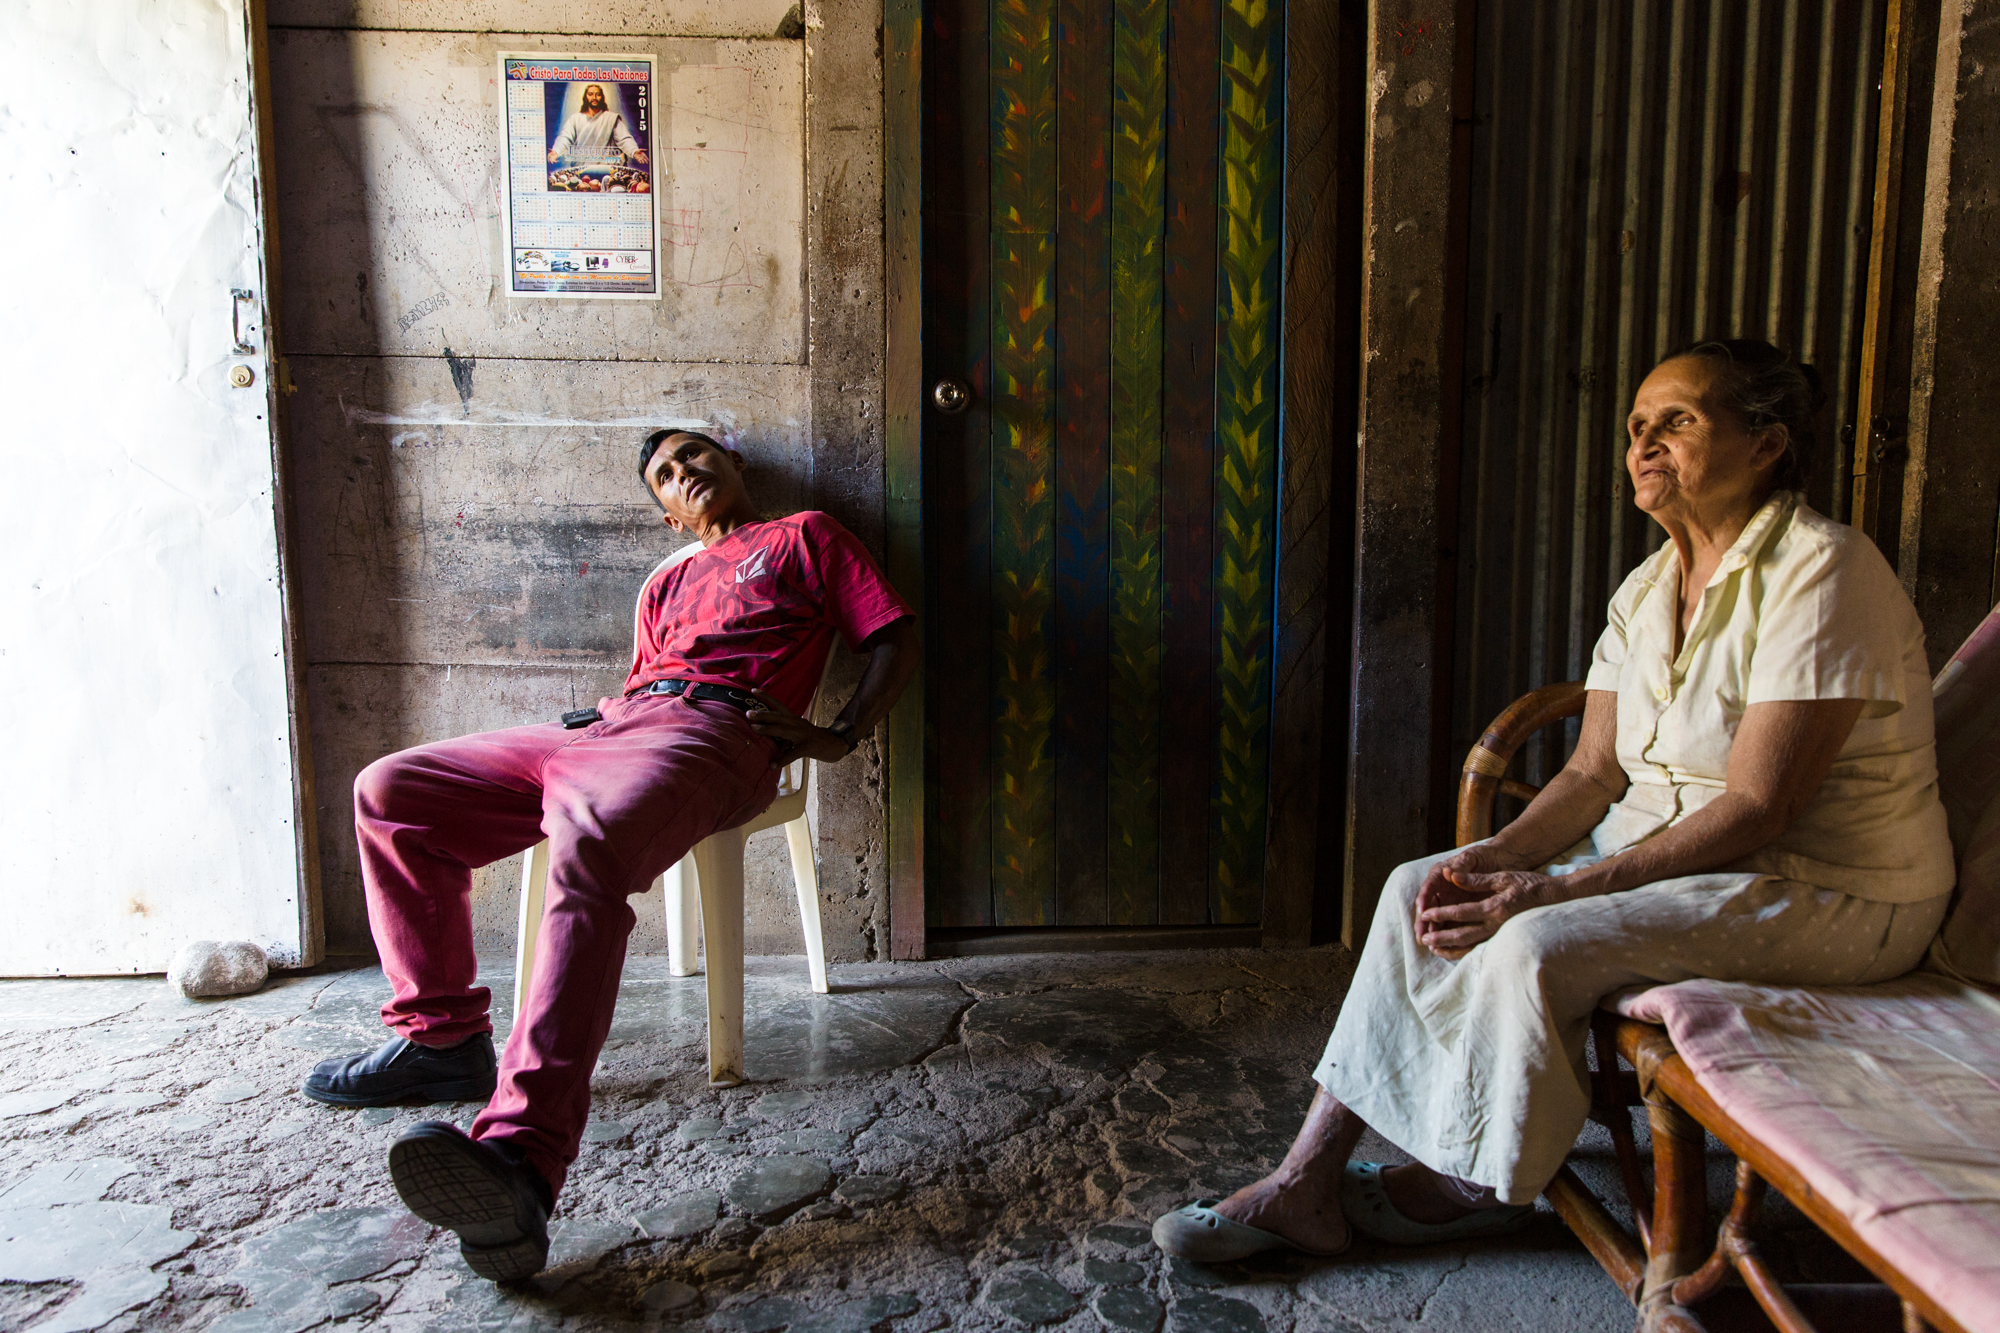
(903, 390)
(844, 120)
(1418, 153)
(1950, 539)
(1871, 427)
(1315, 522)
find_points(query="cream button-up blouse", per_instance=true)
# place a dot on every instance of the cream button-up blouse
(1801, 607)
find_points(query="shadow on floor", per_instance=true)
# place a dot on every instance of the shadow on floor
(977, 1143)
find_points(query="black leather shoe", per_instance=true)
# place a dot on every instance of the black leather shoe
(401, 1071)
(496, 1202)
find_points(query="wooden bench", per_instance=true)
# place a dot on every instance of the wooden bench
(1874, 1109)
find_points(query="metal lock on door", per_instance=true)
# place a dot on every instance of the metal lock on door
(242, 324)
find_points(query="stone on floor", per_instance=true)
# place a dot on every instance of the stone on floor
(771, 1189)
(44, 1244)
(108, 1294)
(209, 969)
(684, 1215)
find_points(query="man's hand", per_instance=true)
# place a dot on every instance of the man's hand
(1466, 899)
(796, 737)
(640, 157)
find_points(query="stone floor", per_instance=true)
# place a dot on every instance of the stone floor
(968, 1144)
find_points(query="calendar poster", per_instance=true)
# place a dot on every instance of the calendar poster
(579, 206)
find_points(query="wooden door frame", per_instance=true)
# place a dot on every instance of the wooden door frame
(1315, 531)
(305, 805)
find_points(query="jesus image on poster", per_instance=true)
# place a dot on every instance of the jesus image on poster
(595, 148)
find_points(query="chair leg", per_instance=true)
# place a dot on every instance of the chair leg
(805, 874)
(682, 893)
(534, 888)
(719, 870)
(1611, 1102)
(1680, 1190)
(1680, 1215)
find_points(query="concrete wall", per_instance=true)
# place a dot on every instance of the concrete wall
(471, 531)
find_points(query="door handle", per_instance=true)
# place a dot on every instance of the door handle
(951, 396)
(239, 298)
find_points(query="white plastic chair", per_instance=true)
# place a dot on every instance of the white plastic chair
(712, 903)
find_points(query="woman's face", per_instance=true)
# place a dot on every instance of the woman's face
(1689, 456)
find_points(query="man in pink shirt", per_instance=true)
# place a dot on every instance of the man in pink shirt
(727, 652)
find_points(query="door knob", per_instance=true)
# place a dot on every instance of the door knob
(951, 396)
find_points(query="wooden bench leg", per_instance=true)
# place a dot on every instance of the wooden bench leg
(1734, 1248)
(1607, 1242)
(1680, 1215)
(1614, 1092)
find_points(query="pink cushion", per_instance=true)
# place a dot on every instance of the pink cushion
(1968, 731)
(1885, 1098)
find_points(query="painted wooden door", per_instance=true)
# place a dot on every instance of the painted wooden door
(1103, 201)
(151, 793)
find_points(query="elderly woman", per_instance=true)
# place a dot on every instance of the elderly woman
(1753, 798)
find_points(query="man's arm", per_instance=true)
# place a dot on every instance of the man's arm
(893, 654)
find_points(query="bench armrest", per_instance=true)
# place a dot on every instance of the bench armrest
(1485, 773)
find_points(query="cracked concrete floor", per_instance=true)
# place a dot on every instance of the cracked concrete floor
(975, 1143)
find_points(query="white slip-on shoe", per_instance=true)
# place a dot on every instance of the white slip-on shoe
(1201, 1235)
(1365, 1200)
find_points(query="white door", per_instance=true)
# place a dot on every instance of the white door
(148, 781)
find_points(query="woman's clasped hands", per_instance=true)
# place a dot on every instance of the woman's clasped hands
(1467, 898)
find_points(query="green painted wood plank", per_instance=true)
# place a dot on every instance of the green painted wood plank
(1023, 220)
(957, 314)
(1246, 393)
(902, 153)
(1187, 562)
(1138, 233)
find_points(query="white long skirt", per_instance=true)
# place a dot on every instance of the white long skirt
(1476, 1068)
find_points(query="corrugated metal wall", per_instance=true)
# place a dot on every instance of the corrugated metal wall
(1644, 172)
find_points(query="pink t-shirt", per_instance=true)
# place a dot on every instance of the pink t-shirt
(755, 610)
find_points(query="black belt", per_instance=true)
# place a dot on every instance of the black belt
(692, 689)
(722, 694)
(701, 689)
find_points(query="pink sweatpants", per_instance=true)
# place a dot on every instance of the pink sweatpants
(619, 801)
